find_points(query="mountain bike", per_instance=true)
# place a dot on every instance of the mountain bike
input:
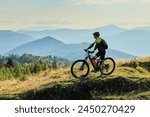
(80, 68)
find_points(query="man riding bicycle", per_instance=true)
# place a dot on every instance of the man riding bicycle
(101, 45)
(80, 68)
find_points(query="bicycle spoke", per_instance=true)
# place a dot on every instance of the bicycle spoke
(80, 69)
(108, 66)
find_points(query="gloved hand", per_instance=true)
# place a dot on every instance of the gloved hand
(85, 50)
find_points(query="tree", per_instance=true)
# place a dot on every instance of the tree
(37, 68)
(10, 63)
(27, 70)
(1, 63)
(54, 64)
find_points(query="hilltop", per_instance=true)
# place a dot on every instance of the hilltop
(131, 80)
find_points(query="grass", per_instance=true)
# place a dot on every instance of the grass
(130, 80)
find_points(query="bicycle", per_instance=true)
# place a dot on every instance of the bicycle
(80, 68)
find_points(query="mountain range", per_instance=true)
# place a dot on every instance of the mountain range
(38, 47)
(10, 39)
(74, 35)
(69, 43)
(134, 41)
(50, 46)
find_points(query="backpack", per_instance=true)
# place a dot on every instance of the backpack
(104, 44)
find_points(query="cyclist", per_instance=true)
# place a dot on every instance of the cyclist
(101, 45)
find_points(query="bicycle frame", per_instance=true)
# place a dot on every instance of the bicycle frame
(90, 58)
(82, 65)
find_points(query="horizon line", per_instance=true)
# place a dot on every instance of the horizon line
(71, 28)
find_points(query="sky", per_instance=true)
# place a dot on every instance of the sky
(76, 14)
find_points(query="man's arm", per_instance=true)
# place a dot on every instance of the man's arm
(95, 47)
(91, 46)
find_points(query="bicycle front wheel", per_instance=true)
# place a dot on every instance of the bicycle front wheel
(80, 69)
(108, 66)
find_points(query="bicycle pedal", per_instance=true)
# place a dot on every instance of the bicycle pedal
(94, 71)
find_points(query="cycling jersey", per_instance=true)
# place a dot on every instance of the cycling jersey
(98, 45)
(98, 42)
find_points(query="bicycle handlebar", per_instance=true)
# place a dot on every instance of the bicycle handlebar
(87, 51)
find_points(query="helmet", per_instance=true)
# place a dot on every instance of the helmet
(96, 34)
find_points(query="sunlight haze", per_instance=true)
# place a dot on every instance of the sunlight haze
(22, 14)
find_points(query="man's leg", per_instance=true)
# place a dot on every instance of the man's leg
(97, 64)
(102, 56)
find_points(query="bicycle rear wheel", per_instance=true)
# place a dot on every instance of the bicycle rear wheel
(108, 66)
(80, 69)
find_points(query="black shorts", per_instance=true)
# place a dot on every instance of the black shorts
(101, 54)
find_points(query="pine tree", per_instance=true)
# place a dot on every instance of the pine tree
(10, 63)
(1, 63)
(37, 68)
(54, 64)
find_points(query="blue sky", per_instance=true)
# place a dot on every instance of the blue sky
(20, 14)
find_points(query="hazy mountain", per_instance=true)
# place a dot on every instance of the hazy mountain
(75, 35)
(51, 46)
(135, 42)
(10, 39)
(38, 47)
(119, 54)
(66, 35)
(146, 28)
(110, 30)
(75, 51)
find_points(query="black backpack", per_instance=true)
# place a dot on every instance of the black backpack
(104, 44)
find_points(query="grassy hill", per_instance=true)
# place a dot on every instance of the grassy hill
(131, 80)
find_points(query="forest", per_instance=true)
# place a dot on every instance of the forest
(22, 66)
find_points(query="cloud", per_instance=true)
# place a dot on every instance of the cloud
(7, 22)
(108, 2)
(145, 1)
(100, 2)
(46, 22)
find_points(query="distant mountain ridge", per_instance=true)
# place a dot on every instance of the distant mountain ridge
(75, 35)
(145, 28)
(10, 39)
(50, 46)
(38, 47)
(133, 42)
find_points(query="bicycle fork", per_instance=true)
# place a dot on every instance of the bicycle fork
(82, 66)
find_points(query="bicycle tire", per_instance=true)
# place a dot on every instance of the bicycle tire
(82, 75)
(113, 67)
